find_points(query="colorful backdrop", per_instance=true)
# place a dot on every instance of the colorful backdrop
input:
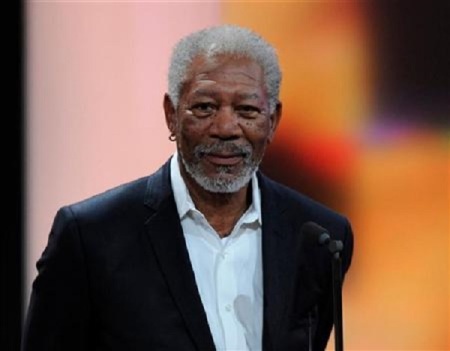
(364, 130)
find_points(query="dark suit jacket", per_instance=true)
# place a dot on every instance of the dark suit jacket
(116, 274)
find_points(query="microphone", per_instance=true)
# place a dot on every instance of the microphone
(314, 234)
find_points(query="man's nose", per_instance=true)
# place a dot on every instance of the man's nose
(225, 124)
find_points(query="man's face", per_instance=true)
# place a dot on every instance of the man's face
(222, 122)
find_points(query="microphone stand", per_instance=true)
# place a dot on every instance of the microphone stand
(335, 247)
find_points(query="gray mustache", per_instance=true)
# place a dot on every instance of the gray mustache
(223, 146)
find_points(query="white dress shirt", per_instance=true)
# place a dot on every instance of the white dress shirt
(228, 271)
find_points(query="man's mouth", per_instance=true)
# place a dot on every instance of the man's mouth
(224, 159)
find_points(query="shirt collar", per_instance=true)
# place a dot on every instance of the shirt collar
(184, 201)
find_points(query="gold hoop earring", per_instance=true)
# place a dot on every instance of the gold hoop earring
(172, 137)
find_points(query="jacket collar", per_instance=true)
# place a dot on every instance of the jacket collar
(158, 187)
(279, 250)
(168, 243)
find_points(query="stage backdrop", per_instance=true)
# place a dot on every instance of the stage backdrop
(364, 130)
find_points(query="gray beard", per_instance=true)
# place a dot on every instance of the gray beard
(220, 183)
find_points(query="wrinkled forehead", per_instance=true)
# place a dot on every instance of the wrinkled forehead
(224, 64)
(225, 67)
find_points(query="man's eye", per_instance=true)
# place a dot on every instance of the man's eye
(248, 111)
(203, 109)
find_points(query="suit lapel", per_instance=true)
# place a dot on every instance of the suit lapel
(166, 236)
(279, 246)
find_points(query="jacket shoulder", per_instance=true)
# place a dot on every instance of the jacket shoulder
(295, 201)
(301, 208)
(128, 200)
(113, 200)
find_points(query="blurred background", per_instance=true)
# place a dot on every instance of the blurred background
(365, 130)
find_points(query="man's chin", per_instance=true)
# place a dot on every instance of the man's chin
(222, 183)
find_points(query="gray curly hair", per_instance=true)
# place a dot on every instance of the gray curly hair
(224, 39)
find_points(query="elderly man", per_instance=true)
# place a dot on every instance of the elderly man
(207, 252)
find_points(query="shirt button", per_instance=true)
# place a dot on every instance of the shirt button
(228, 308)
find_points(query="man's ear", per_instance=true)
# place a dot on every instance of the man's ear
(170, 113)
(274, 121)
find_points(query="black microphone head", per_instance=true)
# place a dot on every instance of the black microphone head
(336, 246)
(314, 234)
